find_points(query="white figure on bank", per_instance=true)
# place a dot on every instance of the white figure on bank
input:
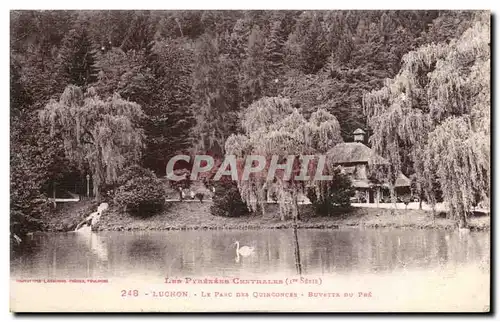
(86, 225)
(103, 206)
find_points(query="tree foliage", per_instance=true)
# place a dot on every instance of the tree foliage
(336, 194)
(212, 101)
(195, 72)
(140, 192)
(253, 83)
(76, 61)
(99, 135)
(273, 127)
(436, 111)
(169, 120)
(227, 200)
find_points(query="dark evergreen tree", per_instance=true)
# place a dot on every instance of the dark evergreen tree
(239, 40)
(447, 25)
(77, 58)
(274, 58)
(253, 75)
(215, 116)
(170, 120)
(20, 98)
(314, 47)
(217, 22)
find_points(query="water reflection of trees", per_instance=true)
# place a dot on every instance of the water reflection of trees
(304, 251)
(337, 251)
(212, 253)
(144, 249)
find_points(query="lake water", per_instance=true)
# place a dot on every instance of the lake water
(213, 253)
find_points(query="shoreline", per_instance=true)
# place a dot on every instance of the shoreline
(196, 216)
(299, 226)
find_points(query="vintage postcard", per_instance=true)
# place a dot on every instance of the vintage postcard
(250, 161)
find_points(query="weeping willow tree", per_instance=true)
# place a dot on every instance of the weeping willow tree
(433, 118)
(99, 135)
(273, 128)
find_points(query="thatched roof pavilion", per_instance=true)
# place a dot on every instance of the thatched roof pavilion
(354, 152)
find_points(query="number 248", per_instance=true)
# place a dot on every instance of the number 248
(126, 293)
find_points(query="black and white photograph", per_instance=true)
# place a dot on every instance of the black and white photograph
(250, 161)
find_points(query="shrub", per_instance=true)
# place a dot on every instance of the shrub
(141, 193)
(227, 200)
(134, 171)
(335, 195)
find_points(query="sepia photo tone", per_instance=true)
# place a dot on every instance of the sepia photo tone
(250, 160)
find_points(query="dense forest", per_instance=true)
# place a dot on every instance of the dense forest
(92, 91)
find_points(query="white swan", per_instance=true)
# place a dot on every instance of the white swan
(243, 251)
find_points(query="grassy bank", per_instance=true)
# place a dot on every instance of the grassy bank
(195, 215)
